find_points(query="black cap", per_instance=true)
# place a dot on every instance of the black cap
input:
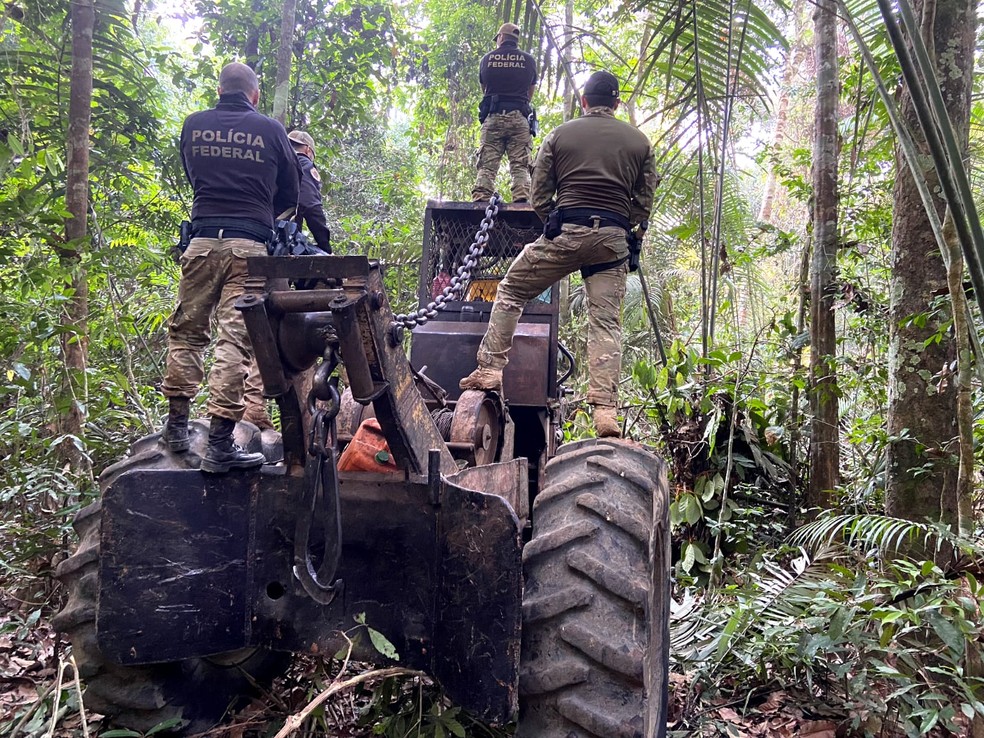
(602, 84)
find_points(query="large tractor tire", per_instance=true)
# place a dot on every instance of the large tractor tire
(192, 694)
(595, 649)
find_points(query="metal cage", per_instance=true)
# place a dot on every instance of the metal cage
(447, 345)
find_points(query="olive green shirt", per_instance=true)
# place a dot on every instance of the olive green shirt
(596, 161)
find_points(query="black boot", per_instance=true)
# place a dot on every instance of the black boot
(176, 427)
(223, 454)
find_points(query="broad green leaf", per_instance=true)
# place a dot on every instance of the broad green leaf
(693, 511)
(165, 725)
(382, 644)
(15, 145)
(688, 557)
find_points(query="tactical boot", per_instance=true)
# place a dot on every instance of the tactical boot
(176, 427)
(223, 454)
(605, 421)
(483, 378)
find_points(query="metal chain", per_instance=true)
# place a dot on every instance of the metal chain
(462, 277)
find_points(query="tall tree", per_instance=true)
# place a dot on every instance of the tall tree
(284, 57)
(798, 54)
(922, 457)
(72, 400)
(824, 439)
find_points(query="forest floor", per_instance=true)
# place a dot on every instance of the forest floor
(39, 696)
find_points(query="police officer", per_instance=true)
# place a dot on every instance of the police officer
(593, 182)
(309, 207)
(508, 78)
(242, 170)
(310, 211)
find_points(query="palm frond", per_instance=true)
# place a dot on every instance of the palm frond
(774, 601)
(880, 533)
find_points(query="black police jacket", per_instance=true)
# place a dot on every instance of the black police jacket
(309, 207)
(239, 162)
(507, 74)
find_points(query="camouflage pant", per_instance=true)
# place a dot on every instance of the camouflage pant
(253, 393)
(213, 276)
(542, 263)
(507, 133)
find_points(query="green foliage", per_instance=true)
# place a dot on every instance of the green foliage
(732, 483)
(882, 639)
(408, 709)
(132, 214)
(380, 642)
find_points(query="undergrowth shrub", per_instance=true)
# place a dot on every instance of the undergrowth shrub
(843, 617)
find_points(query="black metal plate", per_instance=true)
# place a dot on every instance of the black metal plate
(479, 610)
(173, 565)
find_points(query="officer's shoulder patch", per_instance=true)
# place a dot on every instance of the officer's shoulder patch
(314, 173)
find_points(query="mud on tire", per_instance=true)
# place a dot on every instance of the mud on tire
(195, 692)
(595, 644)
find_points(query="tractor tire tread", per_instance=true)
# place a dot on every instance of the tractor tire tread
(195, 691)
(632, 521)
(594, 646)
(557, 603)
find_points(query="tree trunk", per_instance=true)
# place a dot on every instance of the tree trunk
(71, 401)
(284, 57)
(965, 409)
(571, 100)
(797, 54)
(824, 449)
(251, 49)
(923, 457)
(803, 288)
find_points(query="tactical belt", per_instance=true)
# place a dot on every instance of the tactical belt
(593, 216)
(507, 108)
(230, 228)
(505, 104)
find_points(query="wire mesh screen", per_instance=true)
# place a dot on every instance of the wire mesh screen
(450, 234)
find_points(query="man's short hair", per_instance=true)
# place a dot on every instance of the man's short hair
(237, 77)
(601, 89)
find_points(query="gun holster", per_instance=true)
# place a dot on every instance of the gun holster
(634, 239)
(635, 251)
(485, 107)
(184, 240)
(553, 224)
(534, 124)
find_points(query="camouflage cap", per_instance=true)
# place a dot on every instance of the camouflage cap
(302, 139)
(509, 29)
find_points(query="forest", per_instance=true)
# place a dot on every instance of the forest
(802, 344)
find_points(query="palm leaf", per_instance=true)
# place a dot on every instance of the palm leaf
(880, 533)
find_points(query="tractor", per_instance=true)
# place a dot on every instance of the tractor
(529, 578)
